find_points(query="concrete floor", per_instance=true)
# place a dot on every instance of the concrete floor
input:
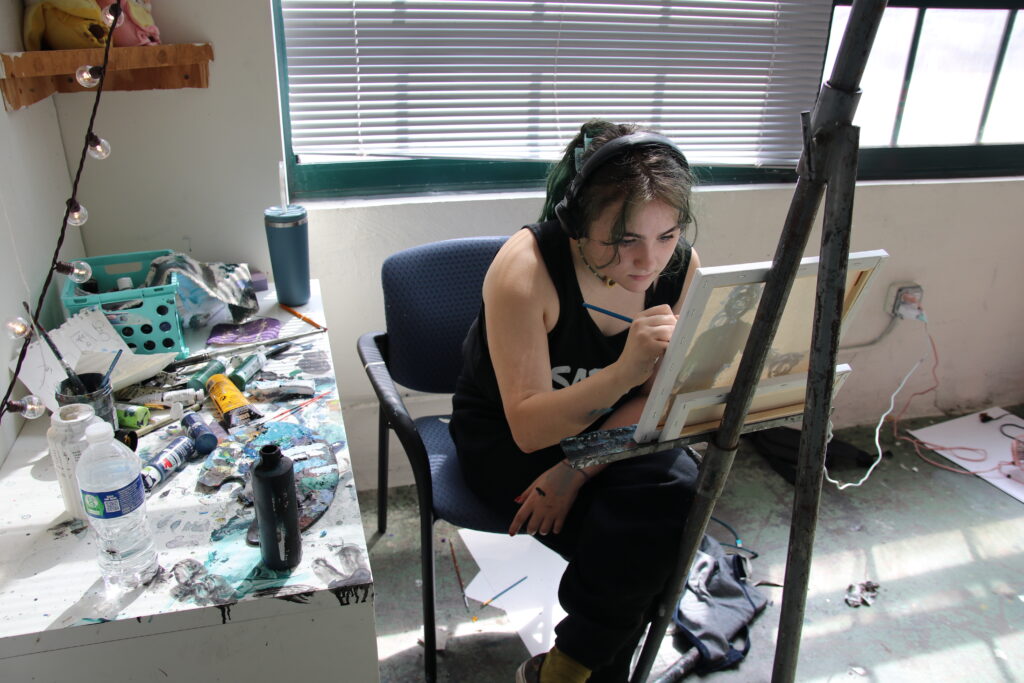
(946, 549)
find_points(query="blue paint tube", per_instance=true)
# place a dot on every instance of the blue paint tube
(169, 460)
(197, 429)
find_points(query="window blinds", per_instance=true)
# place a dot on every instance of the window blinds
(373, 79)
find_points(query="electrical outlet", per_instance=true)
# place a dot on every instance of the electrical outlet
(906, 301)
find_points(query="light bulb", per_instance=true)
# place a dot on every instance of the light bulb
(78, 215)
(110, 12)
(88, 76)
(30, 407)
(18, 327)
(77, 271)
(98, 147)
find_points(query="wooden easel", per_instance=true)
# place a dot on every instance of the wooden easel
(827, 168)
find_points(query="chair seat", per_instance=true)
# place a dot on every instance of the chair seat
(453, 500)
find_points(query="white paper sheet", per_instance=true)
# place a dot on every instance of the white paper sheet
(532, 606)
(971, 432)
(88, 342)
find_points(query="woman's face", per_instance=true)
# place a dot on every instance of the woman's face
(652, 231)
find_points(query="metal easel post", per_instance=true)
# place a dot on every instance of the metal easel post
(828, 310)
(827, 135)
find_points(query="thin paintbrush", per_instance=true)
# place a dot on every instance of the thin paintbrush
(110, 370)
(502, 592)
(302, 317)
(607, 312)
(203, 357)
(76, 382)
(458, 574)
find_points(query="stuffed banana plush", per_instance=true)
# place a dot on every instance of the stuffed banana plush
(138, 27)
(63, 25)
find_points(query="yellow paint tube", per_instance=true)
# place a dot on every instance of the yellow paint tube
(235, 409)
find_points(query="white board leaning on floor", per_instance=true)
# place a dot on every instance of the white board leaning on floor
(698, 369)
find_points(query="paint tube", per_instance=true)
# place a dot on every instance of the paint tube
(199, 379)
(235, 409)
(169, 460)
(293, 388)
(247, 369)
(183, 396)
(199, 432)
(130, 416)
(128, 437)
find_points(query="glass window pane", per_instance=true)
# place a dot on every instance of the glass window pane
(1006, 117)
(883, 76)
(951, 76)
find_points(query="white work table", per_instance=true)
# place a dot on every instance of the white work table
(214, 613)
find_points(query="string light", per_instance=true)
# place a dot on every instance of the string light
(18, 327)
(78, 215)
(77, 271)
(30, 407)
(111, 13)
(97, 147)
(89, 76)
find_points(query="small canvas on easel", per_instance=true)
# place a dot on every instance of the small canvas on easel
(699, 367)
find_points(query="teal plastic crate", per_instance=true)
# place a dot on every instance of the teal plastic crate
(145, 317)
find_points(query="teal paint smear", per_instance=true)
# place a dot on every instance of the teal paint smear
(319, 482)
(238, 524)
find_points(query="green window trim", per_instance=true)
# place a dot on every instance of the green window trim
(427, 176)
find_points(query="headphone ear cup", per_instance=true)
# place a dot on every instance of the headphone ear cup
(565, 216)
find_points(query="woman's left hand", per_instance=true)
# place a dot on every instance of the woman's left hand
(546, 503)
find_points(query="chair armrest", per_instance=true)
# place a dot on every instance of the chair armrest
(371, 347)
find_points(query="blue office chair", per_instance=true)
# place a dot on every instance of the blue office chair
(432, 295)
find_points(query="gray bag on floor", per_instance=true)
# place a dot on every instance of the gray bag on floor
(717, 606)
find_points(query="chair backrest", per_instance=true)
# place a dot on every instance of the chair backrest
(432, 294)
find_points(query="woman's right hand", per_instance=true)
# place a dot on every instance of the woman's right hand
(648, 337)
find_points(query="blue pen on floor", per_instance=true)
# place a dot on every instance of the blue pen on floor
(607, 312)
(500, 593)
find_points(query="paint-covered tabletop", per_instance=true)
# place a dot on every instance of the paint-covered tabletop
(49, 578)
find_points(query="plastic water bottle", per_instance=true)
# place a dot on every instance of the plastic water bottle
(115, 502)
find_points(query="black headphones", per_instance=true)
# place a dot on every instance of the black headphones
(567, 212)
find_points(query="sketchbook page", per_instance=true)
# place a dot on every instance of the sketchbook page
(86, 332)
(531, 605)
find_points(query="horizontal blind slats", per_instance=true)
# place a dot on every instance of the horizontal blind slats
(506, 79)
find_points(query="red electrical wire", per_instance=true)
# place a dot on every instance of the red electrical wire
(982, 454)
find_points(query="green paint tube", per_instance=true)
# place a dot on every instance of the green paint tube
(199, 380)
(131, 416)
(247, 369)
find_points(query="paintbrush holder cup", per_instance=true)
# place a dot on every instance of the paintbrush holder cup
(288, 241)
(98, 395)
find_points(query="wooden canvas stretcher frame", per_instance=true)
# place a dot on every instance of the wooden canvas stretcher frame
(690, 390)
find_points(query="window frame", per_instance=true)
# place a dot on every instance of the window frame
(943, 162)
(405, 177)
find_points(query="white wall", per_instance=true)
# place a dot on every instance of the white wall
(960, 240)
(193, 170)
(34, 184)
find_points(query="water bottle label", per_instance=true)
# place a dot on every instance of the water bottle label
(111, 504)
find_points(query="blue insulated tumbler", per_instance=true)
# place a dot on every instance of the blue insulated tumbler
(288, 240)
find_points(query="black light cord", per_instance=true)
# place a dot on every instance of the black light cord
(115, 11)
(1018, 437)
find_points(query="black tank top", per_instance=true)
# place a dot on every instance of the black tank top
(576, 347)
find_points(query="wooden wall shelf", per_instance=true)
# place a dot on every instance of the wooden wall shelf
(27, 77)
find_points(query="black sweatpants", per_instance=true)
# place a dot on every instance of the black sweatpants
(621, 541)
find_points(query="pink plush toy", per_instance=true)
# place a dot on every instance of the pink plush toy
(138, 27)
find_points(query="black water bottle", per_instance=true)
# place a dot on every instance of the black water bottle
(277, 509)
